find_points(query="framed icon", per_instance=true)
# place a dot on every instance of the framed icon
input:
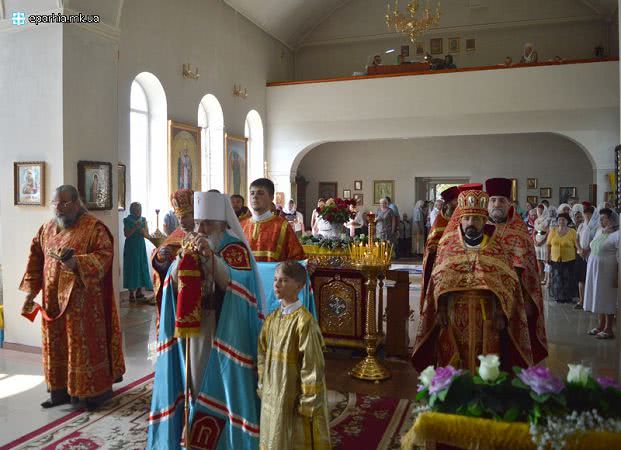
(471, 45)
(453, 45)
(531, 183)
(359, 199)
(29, 183)
(565, 193)
(436, 46)
(383, 188)
(346, 193)
(95, 184)
(358, 185)
(532, 199)
(122, 172)
(545, 192)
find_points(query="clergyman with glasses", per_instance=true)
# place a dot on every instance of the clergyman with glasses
(70, 264)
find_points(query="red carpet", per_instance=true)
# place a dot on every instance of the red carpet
(360, 422)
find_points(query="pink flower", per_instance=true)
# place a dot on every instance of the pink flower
(607, 382)
(443, 378)
(541, 380)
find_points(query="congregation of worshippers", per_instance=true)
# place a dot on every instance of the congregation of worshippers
(478, 247)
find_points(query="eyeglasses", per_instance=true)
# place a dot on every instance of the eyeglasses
(61, 204)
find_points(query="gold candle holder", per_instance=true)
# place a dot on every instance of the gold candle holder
(372, 260)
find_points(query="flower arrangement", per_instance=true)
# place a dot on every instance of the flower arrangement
(336, 210)
(335, 243)
(555, 409)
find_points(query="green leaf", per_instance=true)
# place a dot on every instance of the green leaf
(477, 380)
(475, 409)
(422, 394)
(540, 398)
(511, 414)
(442, 394)
(517, 370)
(432, 400)
(519, 383)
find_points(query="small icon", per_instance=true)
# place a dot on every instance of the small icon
(19, 18)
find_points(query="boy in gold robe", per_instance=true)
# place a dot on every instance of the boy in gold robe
(292, 387)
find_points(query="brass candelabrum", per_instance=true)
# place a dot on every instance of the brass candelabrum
(157, 237)
(373, 260)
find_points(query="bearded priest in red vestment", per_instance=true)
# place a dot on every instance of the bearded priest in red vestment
(70, 262)
(270, 236)
(437, 229)
(182, 202)
(474, 301)
(513, 233)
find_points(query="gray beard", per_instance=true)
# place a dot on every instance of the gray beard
(64, 222)
(215, 239)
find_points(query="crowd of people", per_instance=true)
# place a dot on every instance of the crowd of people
(576, 246)
(485, 262)
(232, 294)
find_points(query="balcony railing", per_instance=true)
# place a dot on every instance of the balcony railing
(401, 71)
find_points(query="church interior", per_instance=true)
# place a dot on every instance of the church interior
(376, 101)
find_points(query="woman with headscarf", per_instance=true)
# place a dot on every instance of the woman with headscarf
(562, 258)
(541, 228)
(585, 234)
(600, 291)
(529, 55)
(386, 223)
(553, 214)
(373, 61)
(418, 228)
(530, 220)
(294, 217)
(565, 208)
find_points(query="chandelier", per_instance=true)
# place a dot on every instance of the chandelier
(408, 23)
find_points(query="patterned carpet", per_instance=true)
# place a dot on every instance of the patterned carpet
(361, 422)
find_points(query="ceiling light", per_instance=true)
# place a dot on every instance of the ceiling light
(390, 50)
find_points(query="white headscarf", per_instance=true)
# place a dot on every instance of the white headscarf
(563, 206)
(287, 210)
(418, 215)
(217, 206)
(530, 58)
(577, 208)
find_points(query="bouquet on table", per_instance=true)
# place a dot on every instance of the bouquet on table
(555, 409)
(336, 210)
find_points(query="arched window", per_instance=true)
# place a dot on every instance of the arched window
(148, 166)
(211, 121)
(254, 133)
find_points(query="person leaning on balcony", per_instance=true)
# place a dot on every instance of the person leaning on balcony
(529, 56)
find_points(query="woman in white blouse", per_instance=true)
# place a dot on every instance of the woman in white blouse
(600, 292)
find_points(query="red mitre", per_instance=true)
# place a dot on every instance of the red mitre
(498, 187)
(470, 187)
(450, 194)
(182, 202)
(586, 204)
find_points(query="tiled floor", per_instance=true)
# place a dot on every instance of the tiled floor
(22, 387)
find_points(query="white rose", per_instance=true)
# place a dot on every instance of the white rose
(426, 376)
(489, 369)
(578, 374)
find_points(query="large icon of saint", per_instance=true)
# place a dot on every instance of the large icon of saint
(184, 169)
(236, 172)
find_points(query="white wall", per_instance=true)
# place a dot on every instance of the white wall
(506, 101)
(342, 43)
(554, 160)
(66, 98)
(31, 129)
(89, 112)
(159, 36)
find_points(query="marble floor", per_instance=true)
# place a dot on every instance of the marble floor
(22, 387)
